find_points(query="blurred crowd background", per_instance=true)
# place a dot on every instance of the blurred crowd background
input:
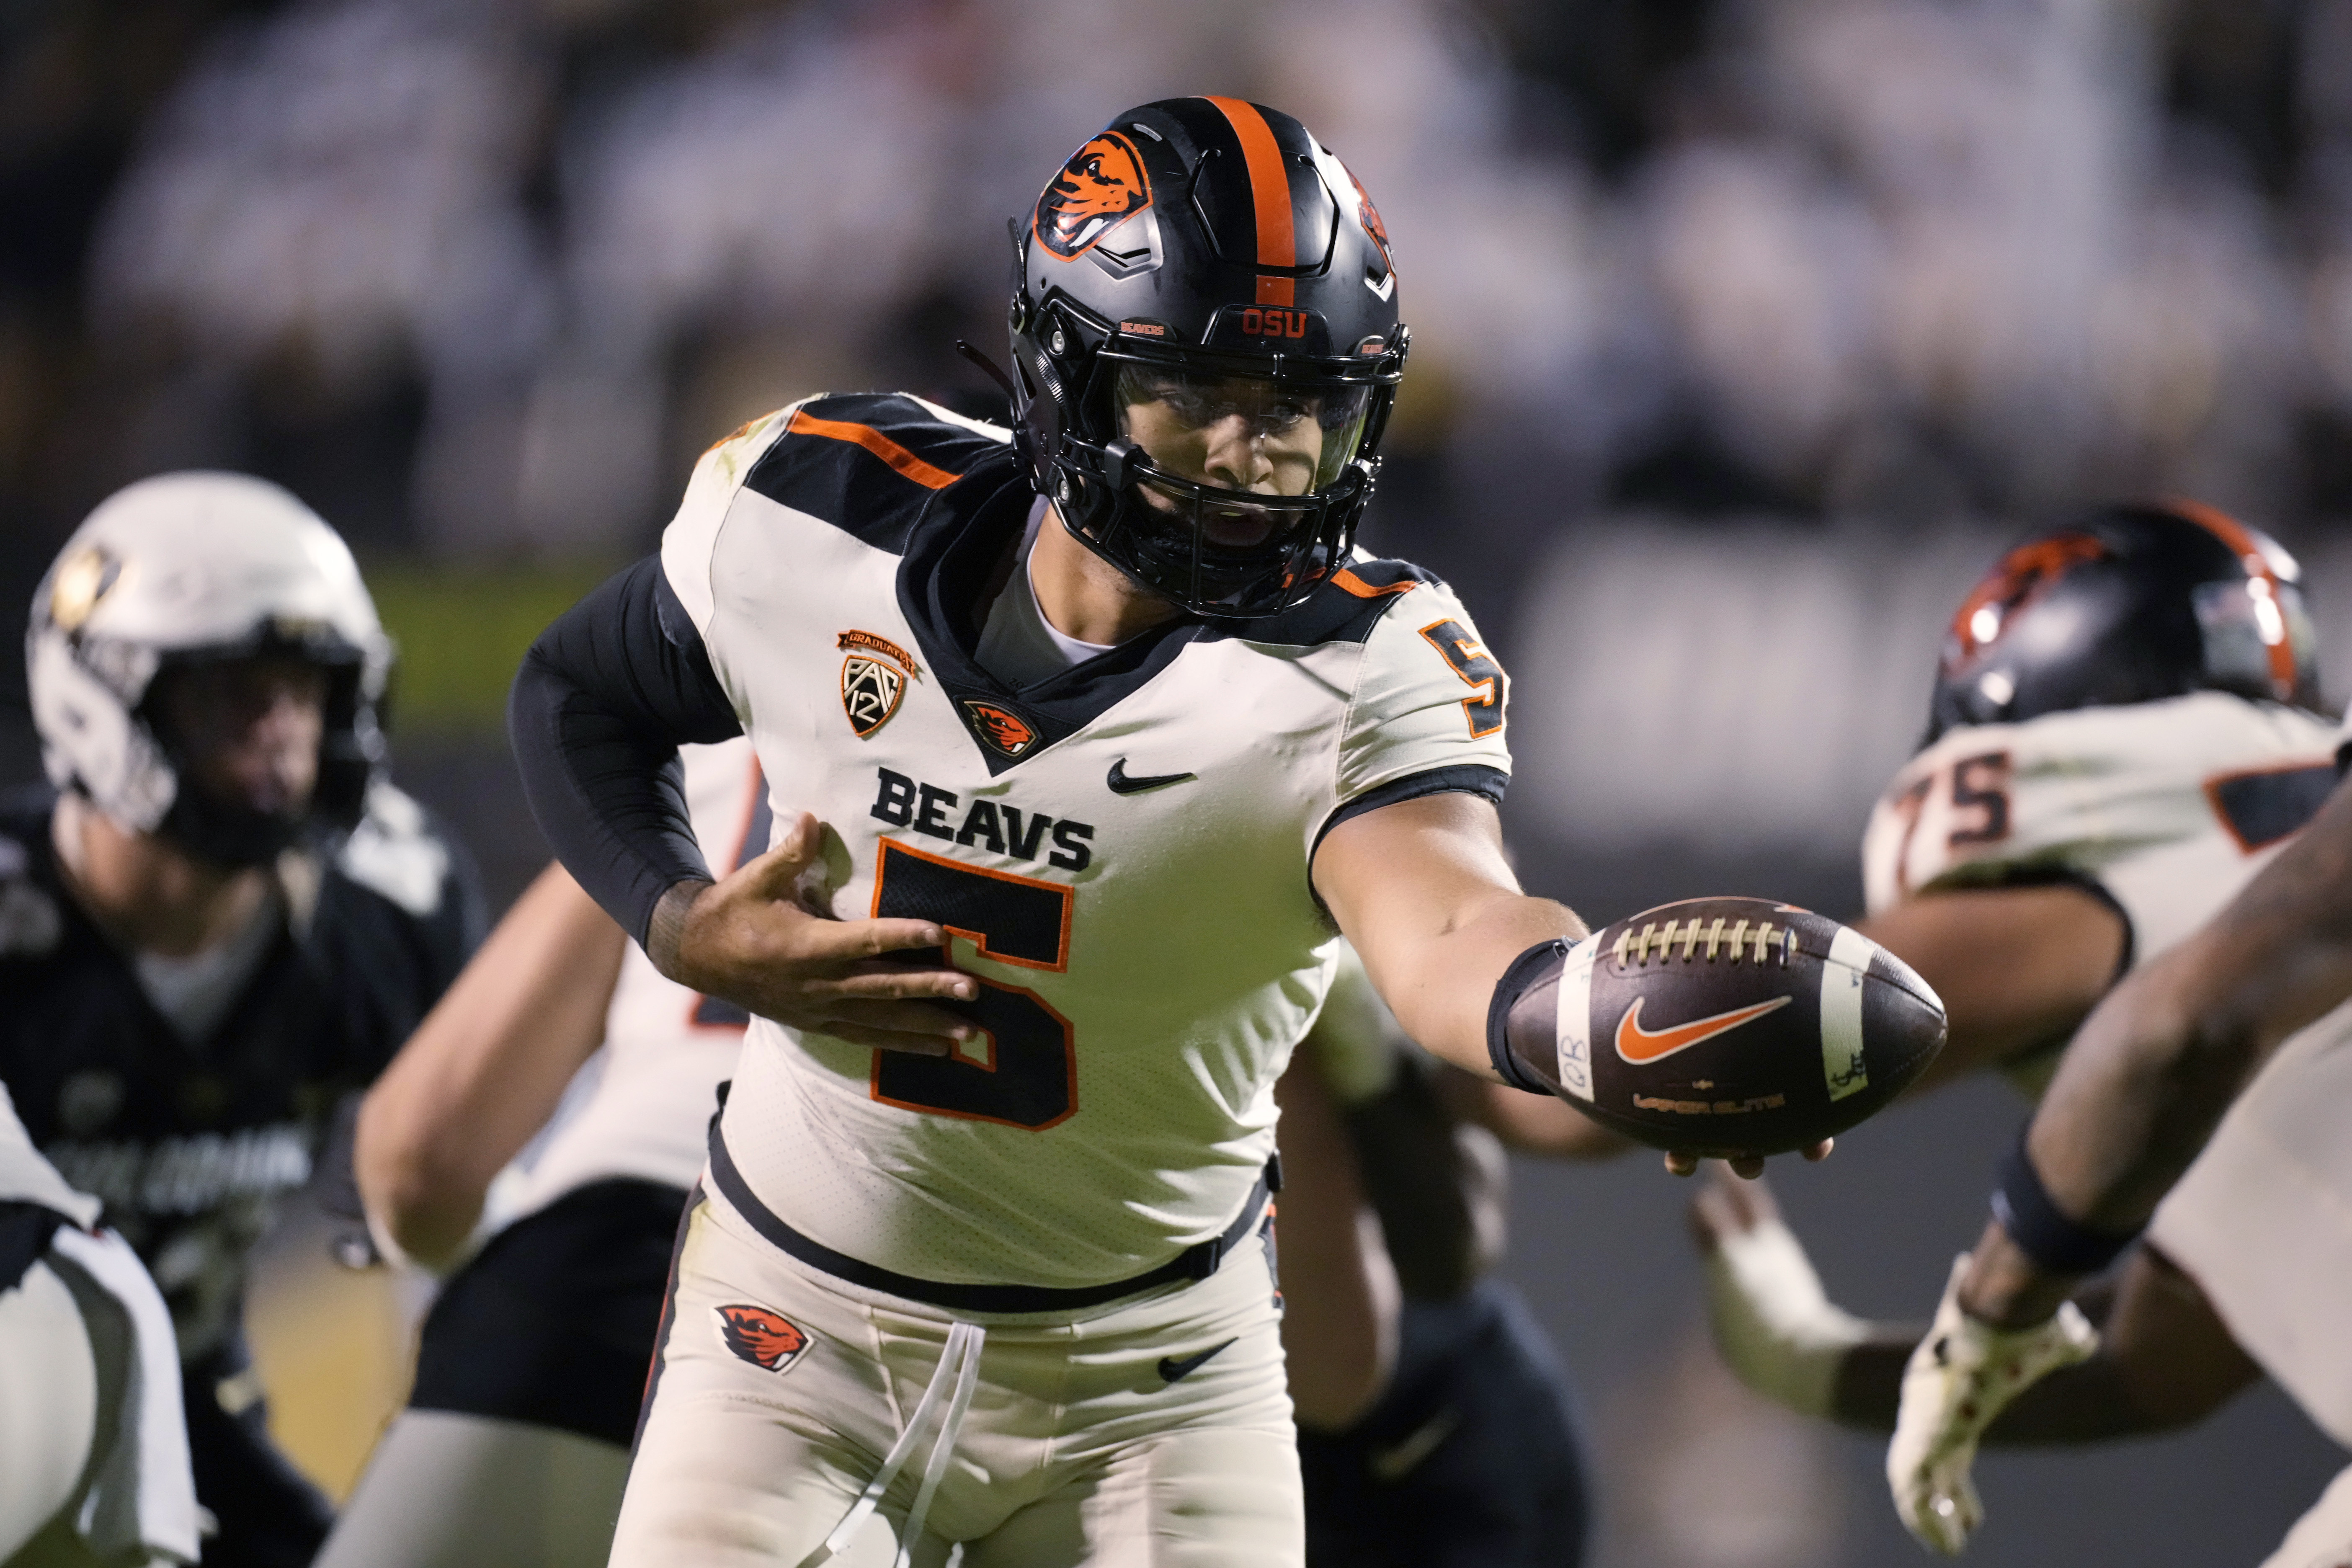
(1745, 331)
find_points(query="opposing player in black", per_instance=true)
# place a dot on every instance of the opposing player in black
(1437, 1428)
(220, 921)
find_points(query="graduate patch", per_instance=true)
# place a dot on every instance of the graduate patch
(873, 679)
(763, 1338)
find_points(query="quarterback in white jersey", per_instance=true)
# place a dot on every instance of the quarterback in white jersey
(2159, 809)
(514, 1447)
(1083, 739)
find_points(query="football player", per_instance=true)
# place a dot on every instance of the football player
(1434, 1424)
(224, 919)
(2245, 1255)
(93, 1446)
(542, 1129)
(514, 1446)
(1113, 706)
(2123, 734)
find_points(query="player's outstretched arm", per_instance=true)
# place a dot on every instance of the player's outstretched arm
(2016, 968)
(2164, 1358)
(1424, 890)
(485, 1068)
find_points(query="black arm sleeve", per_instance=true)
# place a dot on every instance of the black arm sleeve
(603, 701)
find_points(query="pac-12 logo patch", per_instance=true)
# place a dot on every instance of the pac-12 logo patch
(1101, 185)
(763, 1338)
(873, 679)
(1001, 728)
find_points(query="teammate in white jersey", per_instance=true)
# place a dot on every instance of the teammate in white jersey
(1114, 708)
(2124, 739)
(93, 1448)
(537, 1136)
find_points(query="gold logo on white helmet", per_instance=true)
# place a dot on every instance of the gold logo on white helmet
(82, 580)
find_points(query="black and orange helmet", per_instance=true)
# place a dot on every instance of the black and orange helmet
(2128, 603)
(1206, 348)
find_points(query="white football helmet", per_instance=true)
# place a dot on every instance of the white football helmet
(186, 567)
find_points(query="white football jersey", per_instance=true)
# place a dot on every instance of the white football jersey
(641, 1106)
(2264, 1218)
(2169, 808)
(2164, 808)
(26, 1177)
(1120, 850)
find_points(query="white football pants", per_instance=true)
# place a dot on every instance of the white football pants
(448, 1490)
(780, 1390)
(2322, 1538)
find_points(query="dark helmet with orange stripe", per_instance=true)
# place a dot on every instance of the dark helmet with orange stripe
(2128, 603)
(1206, 346)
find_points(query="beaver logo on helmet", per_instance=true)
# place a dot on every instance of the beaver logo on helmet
(1369, 216)
(2023, 576)
(1101, 185)
(761, 1337)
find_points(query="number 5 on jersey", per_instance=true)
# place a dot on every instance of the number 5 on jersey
(1026, 1071)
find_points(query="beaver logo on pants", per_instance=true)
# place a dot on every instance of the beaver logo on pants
(760, 1337)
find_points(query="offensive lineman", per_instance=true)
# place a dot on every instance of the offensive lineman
(223, 922)
(2122, 736)
(980, 1243)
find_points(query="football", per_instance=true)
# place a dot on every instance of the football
(1734, 1027)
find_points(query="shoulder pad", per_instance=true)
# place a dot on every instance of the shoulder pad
(869, 462)
(395, 852)
(1343, 608)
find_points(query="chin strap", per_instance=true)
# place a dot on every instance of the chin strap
(995, 373)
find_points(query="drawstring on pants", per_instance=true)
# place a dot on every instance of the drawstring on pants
(960, 1367)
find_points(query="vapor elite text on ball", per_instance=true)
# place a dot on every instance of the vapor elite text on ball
(1725, 1027)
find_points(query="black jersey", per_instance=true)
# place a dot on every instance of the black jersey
(189, 1144)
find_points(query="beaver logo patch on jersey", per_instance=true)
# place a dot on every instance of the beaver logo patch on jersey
(1000, 727)
(1099, 187)
(873, 679)
(763, 1338)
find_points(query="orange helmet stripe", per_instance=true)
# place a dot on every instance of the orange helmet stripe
(1277, 246)
(2242, 544)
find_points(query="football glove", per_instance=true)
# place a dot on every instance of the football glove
(1774, 1325)
(1963, 1374)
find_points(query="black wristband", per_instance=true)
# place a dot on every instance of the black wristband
(1526, 970)
(2058, 1243)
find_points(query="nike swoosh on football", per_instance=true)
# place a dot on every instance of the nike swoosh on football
(1172, 1371)
(1638, 1044)
(1120, 783)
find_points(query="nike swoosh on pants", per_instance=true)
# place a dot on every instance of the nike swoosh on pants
(1171, 1369)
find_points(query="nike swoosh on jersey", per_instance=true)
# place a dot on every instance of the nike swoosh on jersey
(1392, 1465)
(1638, 1044)
(1172, 1371)
(1121, 784)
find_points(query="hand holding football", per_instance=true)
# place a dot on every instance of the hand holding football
(1727, 1027)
